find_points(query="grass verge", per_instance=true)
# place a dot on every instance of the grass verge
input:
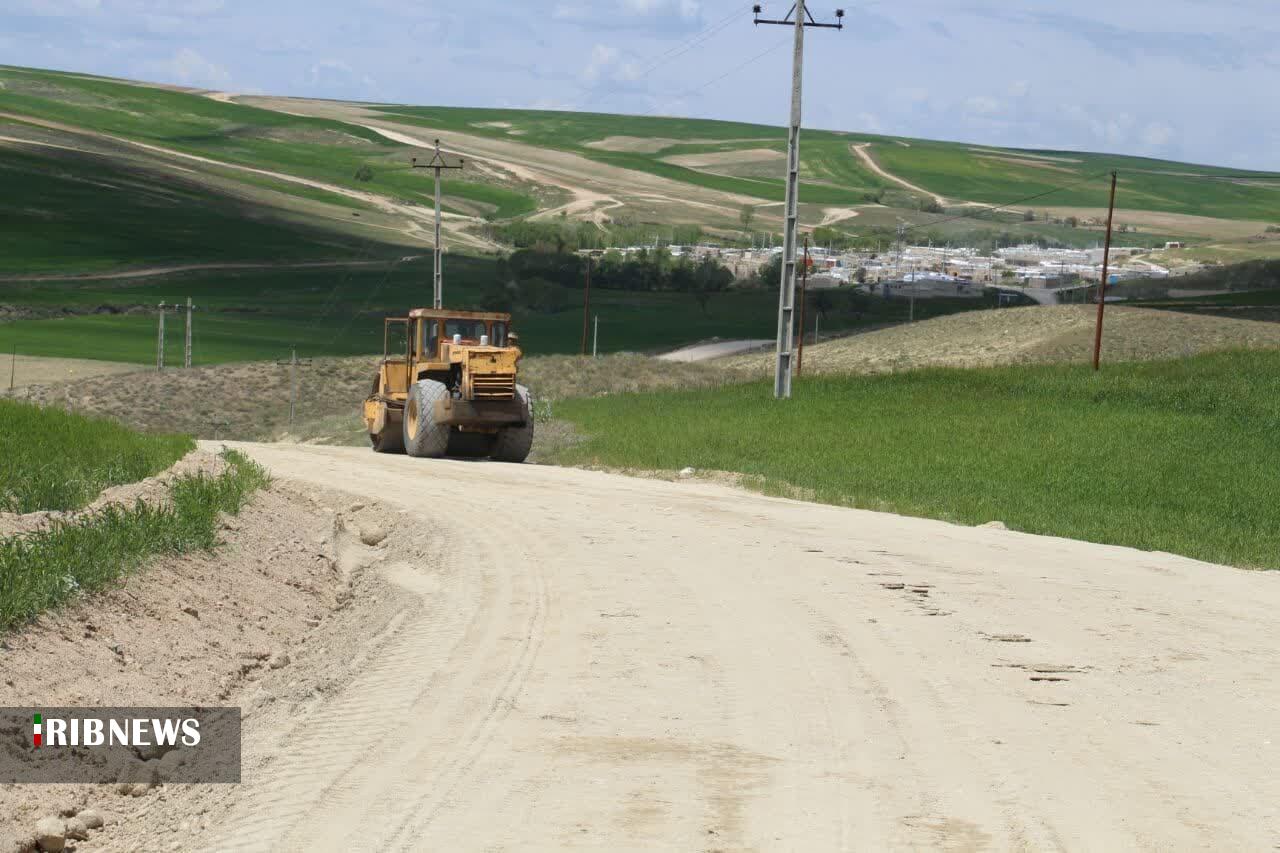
(52, 460)
(1173, 456)
(44, 569)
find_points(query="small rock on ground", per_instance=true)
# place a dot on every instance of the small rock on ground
(76, 829)
(51, 834)
(994, 525)
(372, 535)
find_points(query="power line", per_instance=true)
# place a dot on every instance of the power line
(672, 53)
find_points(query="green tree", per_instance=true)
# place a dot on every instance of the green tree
(710, 277)
(746, 215)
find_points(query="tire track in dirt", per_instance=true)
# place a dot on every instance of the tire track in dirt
(614, 663)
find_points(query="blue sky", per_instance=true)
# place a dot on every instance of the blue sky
(1180, 79)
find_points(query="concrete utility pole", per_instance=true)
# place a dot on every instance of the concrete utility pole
(787, 287)
(294, 362)
(160, 340)
(437, 163)
(595, 339)
(186, 351)
(1102, 285)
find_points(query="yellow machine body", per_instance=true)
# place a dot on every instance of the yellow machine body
(473, 353)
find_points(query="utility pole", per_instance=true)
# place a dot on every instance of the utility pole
(294, 362)
(186, 351)
(13, 368)
(1106, 269)
(787, 288)
(595, 339)
(437, 163)
(586, 306)
(804, 281)
(160, 340)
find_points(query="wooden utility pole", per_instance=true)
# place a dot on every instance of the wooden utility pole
(804, 281)
(787, 287)
(13, 368)
(586, 306)
(437, 163)
(1106, 270)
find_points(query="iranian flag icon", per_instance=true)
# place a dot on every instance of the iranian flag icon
(36, 734)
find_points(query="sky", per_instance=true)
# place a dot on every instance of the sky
(1176, 79)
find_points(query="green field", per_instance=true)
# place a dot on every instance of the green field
(833, 175)
(326, 150)
(1175, 456)
(249, 316)
(50, 460)
(65, 210)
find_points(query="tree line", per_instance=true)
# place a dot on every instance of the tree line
(544, 280)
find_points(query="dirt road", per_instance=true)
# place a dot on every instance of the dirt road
(586, 661)
(718, 349)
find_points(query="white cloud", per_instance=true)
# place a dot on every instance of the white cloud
(189, 68)
(1158, 135)
(982, 105)
(602, 57)
(55, 8)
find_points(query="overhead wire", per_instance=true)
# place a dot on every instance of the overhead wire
(654, 62)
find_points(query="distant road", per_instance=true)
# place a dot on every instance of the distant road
(706, 352)
(150, 272)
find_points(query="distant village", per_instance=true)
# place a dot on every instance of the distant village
(1046, 275)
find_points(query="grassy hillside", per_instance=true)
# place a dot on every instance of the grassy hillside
(234, 133)
(70, 210)
(834, 175)
(1187, 464)
(108, 174)
(51, 460)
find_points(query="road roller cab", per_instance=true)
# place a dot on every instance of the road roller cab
(447, 386)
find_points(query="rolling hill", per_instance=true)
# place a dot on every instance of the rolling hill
(288, 217)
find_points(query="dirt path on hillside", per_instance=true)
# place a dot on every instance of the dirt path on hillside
(862, 149)
(581, 176)
(149, 272)
(589, 661)
(374, 200)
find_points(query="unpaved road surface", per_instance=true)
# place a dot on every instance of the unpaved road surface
(587, 661)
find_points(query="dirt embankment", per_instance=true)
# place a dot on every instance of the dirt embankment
(153, 491)
(250, 400)
(269, 622)
(1039, 335)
